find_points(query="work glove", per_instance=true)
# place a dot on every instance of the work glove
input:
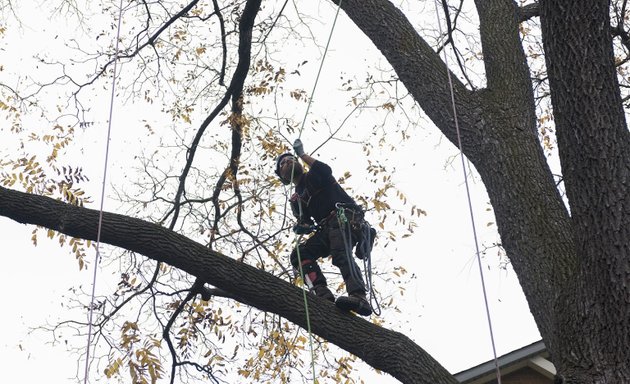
(298, 147)
(303, 229)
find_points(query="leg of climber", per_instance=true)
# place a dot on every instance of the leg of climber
(311, 273)
(341, 244)
(356, 300)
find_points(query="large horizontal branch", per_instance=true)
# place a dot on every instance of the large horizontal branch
(383, 349)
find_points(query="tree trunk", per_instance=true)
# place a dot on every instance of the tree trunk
(594, 146)
(574, 270)
(498, 134)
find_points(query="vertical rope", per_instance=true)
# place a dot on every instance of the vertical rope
(308, 317)
(299, 237)
(100, 215)
(470, 207)
(319, 71)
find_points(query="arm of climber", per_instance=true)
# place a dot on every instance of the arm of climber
(308, 159)
(298, 147)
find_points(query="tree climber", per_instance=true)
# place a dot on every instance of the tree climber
(318, 198)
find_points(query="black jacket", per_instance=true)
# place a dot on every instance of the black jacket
(318, 192)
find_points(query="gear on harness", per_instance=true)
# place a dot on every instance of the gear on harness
(304, 228)
(360, 229)
(365, 242)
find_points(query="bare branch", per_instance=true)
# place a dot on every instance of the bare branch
(245, 26)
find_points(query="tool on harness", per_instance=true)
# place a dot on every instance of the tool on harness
(341, 213)
(365, 242)
(304, 228)
(362, 230)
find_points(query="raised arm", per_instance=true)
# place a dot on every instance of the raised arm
(298, 147)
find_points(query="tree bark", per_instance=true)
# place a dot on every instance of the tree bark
(383, 349)
(574, 268)
(594, 146)
(499, 135)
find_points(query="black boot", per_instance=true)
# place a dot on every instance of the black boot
(355, 302)
(323, 292)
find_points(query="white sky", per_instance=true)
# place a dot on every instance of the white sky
(445, 312)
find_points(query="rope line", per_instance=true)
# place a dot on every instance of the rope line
(299, 237)
(346, 235)
(319, 71)
(470, 207)
(308, 317)
(100, 215)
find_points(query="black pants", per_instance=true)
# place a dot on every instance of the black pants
(330, 240)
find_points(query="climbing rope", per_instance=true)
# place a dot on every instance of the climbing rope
(319, 71)
(100, 214)
(299, 237)
(470, 207)
(366, 251)
(364, 247)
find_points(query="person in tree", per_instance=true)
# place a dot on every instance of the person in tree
(323, 207)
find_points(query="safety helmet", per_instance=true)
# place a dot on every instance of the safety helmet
(278, 162)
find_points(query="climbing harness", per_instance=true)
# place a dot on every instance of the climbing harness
(100, 214)
(470, 208)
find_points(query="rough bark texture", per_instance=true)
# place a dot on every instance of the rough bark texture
(574, 270)
(498, 132)
(595, 154)
(386, 350)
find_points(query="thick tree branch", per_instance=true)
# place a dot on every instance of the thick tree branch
(594, 147)
(418, 66)
(528, 11)
(507, 72)
(499, 135)
(383, 349)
